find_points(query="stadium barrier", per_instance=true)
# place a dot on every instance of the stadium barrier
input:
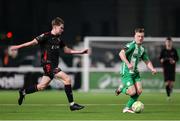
(15, 78)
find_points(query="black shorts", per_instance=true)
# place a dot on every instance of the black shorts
(50, 71)
(169, 75)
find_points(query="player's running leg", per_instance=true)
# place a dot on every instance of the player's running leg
(119, 90)
(134, 95)
(171, 86)
(168, 90)
(21, 96)
(34, 88)
(68, 90)
(131, 91)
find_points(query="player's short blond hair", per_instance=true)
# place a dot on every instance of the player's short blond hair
(57, 21)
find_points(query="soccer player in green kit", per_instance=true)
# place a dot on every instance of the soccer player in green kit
(130, 55)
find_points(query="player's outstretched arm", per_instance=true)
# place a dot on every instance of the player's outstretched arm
(123, 57)
(16, 47)
(68, 50)
(151, 67)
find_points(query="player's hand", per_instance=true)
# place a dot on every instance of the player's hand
(172, 61)
(85, 51)
(130, 66)
(154, 71)
(13, 48)
(162, 60)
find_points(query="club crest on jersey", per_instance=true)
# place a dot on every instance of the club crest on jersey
(54, 47)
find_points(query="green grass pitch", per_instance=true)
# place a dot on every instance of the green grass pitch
(52, 105)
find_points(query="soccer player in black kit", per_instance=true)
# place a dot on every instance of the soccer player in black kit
(50, 43)
(168, 59)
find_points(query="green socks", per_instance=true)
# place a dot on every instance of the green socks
(132, 100)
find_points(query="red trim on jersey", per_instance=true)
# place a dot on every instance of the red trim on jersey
(48, 68)
(45, 55)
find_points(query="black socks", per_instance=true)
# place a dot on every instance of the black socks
(69, 94)
(68, 91)
(31, 89)
(168, 91)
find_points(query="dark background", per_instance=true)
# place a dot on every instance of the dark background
(29, 18)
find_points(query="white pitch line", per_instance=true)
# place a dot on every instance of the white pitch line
(90, 120)
(82, 104)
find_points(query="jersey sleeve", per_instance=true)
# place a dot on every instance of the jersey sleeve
(144, 56)
(41, 38)
(129, 48)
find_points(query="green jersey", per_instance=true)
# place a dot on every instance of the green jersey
(134, 54)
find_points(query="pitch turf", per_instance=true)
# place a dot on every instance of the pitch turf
(52, 105)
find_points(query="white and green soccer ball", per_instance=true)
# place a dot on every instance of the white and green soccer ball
(138, 107)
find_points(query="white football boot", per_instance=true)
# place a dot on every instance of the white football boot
(128, 110)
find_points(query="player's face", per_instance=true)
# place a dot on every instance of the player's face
(59, 29)
(139, 37)
(168, 43)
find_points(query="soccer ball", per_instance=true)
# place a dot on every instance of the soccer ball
(138, 107)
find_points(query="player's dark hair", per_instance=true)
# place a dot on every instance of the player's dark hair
(57, 21)
(168, 38)
(140, 30)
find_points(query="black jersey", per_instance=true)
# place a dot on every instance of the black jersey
(166, 55)
(50, 45)
(168, 68)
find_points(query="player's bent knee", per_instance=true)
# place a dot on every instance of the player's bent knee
(131, 92)
(67, 80)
